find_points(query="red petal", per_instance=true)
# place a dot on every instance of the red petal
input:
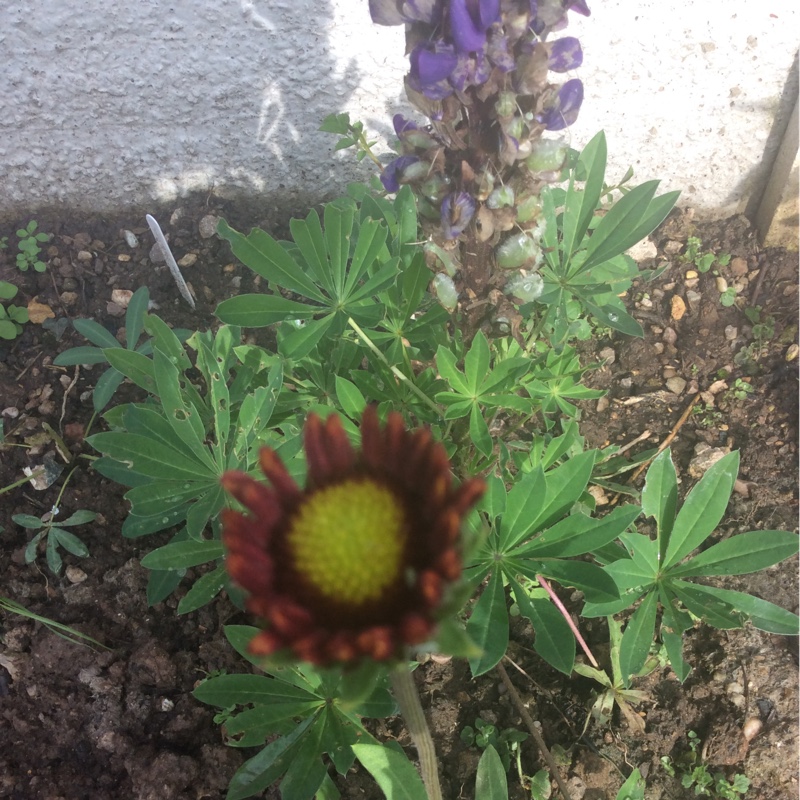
(371, 440)
(340, 453)
(416, 629)
(377, 642)
(342, 647)
(254, 575)
(289, 618)
(265, 643)
(449, 565)
(430, 585)
(311, 648)
(319, 466)
(279, 477)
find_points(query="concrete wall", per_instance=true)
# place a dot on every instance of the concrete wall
(106, 106)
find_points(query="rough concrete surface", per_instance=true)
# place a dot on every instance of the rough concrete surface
(106, 106)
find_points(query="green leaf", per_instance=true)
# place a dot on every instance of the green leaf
(106, 385)
(490, 780)
(633, 788)
(614, 317)
(134, 316)
(371, 239)
(476, 363)
(70, 542)
(638, 637)
(28, 521)
(338, 227)
(95, 333)
(259, 310)
(554, 640)
(580, 204)
(660, 497)
(266, 257)
(393, 772)
(243, 689)
(165, 340)
(711, 607)
(488, 626)
(182, 416)
(308, 237)
(306, 771)
(578, 534)
(741, 554)
(264, 768)
(203, 590)
(493, 501)
(479, 432)
(133, 365)
(350, 398)
(135, 526)
(617, 230)
(446, 364)
(593, 581)
(161, 584)
(300, 343)
(80, 355)
(522, 506)
(149, 457)
(703, 509)
(80, 517)
(180, 555)
(762, 614)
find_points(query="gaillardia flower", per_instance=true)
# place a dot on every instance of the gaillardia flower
(356, 564)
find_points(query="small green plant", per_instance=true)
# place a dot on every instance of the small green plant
(740, 390)
(29, 249)
(505, 742)
(59, 629)
(656, 574)
(727, 298)
(352, 134)
(12, 317)
(55, 535)
(706, 416)
(694, 773)
(702, 261)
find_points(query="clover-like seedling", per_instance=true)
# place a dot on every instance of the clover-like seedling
(29, 249)
(11, 317)
(55, 535)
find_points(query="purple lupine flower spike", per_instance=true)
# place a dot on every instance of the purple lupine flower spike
(458, 208)
(565, 111)
(565, 54)
(469, 21)
(393, 172)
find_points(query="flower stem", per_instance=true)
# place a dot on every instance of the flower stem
(405, 692)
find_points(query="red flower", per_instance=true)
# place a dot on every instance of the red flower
(356, 564)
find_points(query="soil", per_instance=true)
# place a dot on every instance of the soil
(81, 722)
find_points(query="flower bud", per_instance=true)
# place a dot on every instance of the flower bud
(445, 291)
(547, 155)
(519, 250)
(527, 287)
(502, 196)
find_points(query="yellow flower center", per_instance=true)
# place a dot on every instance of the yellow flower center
(347, 540)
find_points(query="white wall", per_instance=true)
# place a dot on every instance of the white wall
(105, 106)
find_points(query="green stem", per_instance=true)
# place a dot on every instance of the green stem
(396, 372)
(405, 692)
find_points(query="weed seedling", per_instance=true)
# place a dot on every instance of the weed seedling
(702, 261)
(694, 773)
(29, 249)
(12, 317)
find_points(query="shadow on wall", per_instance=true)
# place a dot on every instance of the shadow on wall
(299, 71)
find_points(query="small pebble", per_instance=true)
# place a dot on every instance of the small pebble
(84, 255)
(693, 297)
(130, 238)
(738, 267)
(608, 355)
(208, 226)
(189, 260)
(658, 347)
(121, 297)
(114, 310)
(602, 404)
(731, 332)
(792, 352)
(677, 307)
(75, 574)
(676, 384)
(11, 412)
(670, 337)
(722, 284)
(69, 298)
(643, 250)
(669, 372)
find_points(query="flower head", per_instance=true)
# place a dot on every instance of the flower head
(356, 564)
(458, 208)
(564, 110)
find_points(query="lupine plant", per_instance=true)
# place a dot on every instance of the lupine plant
(417, 426)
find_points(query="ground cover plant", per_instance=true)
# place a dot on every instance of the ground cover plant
(375, 390)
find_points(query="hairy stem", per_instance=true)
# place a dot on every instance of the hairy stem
(405, 692)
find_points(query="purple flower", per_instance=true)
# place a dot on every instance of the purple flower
(402, 125)
(565, 54)
(431, 65)
(393, 172)
(471, 70)
(565, 110)
(401, 12)
(469, 21)
(458, 208)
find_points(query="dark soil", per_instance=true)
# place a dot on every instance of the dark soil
(83, 723)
